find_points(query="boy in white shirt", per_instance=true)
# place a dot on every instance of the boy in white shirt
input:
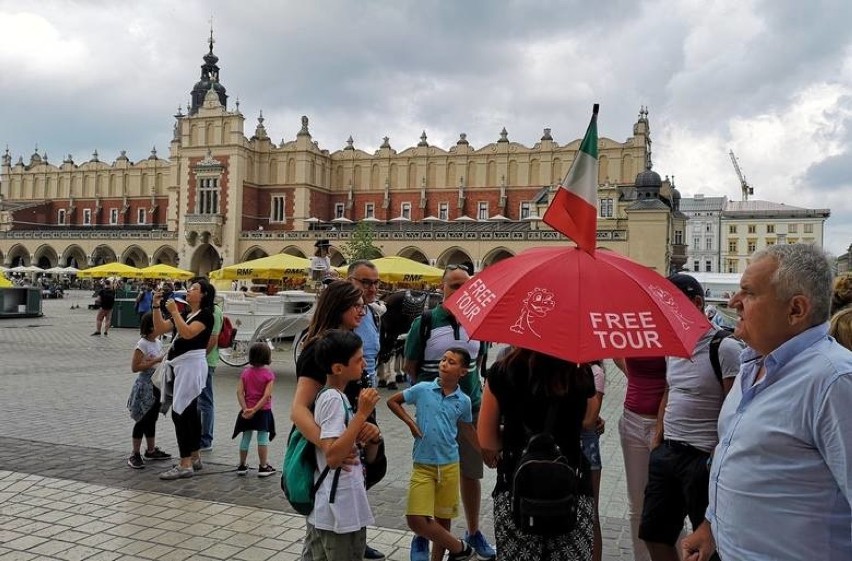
(337, 526)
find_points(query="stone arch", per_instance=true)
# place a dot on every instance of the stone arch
(205, 258)
(254, 252)
(74, 256)
(45, 257)
(454, 256)
(135, 256)
(415, 254)
(166, 255)
(102, 254)
(495, 255)
(18, 255)
(336, 257)
(294, 250)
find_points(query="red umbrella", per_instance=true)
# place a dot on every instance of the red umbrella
(569, 304)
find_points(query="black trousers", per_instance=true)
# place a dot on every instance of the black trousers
(188, 429)
(147, 425)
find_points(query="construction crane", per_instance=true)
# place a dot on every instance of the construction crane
(747, 189)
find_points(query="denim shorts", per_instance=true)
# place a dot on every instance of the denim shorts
(590, 441)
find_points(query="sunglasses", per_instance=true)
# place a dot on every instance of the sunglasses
(368, 283)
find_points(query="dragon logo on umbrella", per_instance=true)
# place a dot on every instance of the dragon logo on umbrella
(538, 303)
(665, 297)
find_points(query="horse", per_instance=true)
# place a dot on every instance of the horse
(402, 308)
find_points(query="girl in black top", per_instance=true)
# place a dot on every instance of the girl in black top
(520, 390)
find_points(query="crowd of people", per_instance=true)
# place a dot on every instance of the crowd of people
(709, 438)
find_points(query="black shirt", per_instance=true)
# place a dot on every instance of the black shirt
(107, 296)
(200, 341)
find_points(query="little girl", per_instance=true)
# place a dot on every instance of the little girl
(144, 400)
(254, 393)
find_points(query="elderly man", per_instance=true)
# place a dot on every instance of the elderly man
(780, 481)
(364, 275)
(422, 357)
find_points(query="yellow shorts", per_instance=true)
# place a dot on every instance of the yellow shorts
(434, 491)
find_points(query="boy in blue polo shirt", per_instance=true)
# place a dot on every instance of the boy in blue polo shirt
(433, 493)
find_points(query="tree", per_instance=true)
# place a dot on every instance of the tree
(360, 245)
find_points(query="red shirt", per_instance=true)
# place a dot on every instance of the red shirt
(646, 383)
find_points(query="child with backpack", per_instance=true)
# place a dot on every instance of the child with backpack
(337, 525)
(144, 400)
(254, 393)
(433, 494)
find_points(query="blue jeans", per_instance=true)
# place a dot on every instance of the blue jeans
(205, 408)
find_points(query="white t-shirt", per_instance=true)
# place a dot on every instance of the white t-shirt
(150, 349)
(600, 378)
(350, 511)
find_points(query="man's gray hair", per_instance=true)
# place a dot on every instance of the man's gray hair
(360, 263)
(802, 269)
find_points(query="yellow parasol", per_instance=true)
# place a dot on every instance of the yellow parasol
(5, 283)
(401, 269)
(111, 270)
(275, 266)
(166, 272)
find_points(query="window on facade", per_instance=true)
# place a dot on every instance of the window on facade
(60, 217)
(605, 206)
(444, 211)
(525, 211)
(770, 241)
(208, 196)
(405, 210)
(277, 209)
(338, 210)
(482, 210)
(708, 244)
(87, 217)
(792, 228)
(770, 228)
(113, 216)
(708, 266)
(752, 246)
(732, 229)
(696, 242)
(752, 229)
(792, 240)
(708, 228)
(809, 228)
(695, 265)
(369, 210)
(141, 217)
(678, 237)
(732, 246)
(732, 265)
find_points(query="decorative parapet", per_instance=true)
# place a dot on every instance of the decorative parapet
(88, 235)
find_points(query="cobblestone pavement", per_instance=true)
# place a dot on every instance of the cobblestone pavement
(66, 493)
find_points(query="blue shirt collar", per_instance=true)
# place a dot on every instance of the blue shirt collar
(436, 385)
(777, 359)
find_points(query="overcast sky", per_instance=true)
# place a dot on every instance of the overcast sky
(771, 80)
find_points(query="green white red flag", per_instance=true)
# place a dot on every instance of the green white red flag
(574, 209)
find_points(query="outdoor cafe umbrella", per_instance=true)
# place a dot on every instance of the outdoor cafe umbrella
(579, 307)
(111, 270)
(275, 266)
(401, 269)
(166, 272)
(5, 283)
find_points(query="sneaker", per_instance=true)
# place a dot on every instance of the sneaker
(135, 461)
(484, 550)
(96, 334)
(382, 384)
(106, 333)
(177, 472)
(242, 469)
(419, 549)
(393, 386)
(197, 465)
(156, 455)
(265, 471)
(370, 553)
(465, 554)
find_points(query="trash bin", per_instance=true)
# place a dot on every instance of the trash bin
(124, 310)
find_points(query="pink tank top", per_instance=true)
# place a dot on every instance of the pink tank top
(646, 382)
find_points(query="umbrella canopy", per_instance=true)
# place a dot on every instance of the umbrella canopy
(70, 270)
(432, 218)
(569, 304)
(400, 219)
(370, 219)
(465, 218)
(275, 266)
(166, 272)
(55, 271)
(27, 269)
(499, 218)
(111, 270)
(5, 283)
(342, 220)
(401, 269)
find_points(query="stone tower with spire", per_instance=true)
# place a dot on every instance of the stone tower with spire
(209, 80)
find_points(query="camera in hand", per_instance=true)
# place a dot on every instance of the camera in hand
(167, 294)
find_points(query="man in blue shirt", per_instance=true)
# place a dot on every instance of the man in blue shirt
(780, 481)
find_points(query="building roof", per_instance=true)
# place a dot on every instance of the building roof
(770, 209)
(702, 204)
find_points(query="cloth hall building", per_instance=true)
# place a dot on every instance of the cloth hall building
(222, 197)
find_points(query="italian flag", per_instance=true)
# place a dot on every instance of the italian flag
(574, 209)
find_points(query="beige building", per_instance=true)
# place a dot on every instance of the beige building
(222, 197)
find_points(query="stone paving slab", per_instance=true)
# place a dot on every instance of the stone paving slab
(63, 416)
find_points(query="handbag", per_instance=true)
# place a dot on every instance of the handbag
(160, 371)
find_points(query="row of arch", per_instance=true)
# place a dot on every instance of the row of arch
(206, 258)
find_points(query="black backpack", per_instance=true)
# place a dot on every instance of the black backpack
(545, 487)
(715, 342)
